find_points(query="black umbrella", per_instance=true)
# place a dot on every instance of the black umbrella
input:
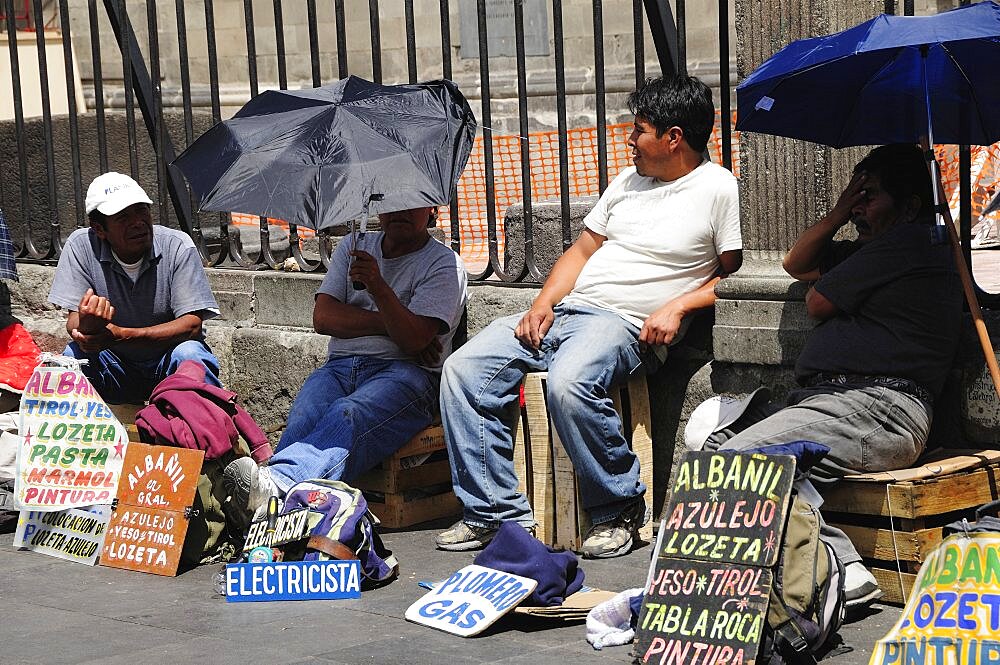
(328, 155)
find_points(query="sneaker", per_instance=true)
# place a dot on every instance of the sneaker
(616, 537)
(249, 487)
(464, 536)
(860, 586)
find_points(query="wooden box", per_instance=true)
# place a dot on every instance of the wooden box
(898, 516)
(546, 474)
(408, 488)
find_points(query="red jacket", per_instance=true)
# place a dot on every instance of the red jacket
(187, 412)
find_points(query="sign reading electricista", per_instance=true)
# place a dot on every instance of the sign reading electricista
(293, 580)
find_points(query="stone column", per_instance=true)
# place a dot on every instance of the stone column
(787, 184)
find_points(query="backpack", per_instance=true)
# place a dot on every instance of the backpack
(806, 606)
(209, 538)
(345, 529)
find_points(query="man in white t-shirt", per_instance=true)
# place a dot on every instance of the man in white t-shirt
(661, 236)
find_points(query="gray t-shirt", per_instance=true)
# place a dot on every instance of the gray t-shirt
(429, 282)
(171, 283)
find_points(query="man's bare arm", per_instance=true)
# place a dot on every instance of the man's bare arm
(661, 326)
(802, 260)
(337, 319)
(538, 319)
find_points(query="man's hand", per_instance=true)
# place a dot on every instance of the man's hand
(430, 354)
(853, 194)
(93, 343)
(662, 325)
(534, 324)
(364, 269)
(95, 313)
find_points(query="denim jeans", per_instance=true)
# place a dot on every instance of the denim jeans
(586, 351)
(122, 381)
(867, 429)
(351, 414)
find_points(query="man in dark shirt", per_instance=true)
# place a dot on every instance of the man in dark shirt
(889, 307)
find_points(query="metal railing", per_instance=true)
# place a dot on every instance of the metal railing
(216, 237)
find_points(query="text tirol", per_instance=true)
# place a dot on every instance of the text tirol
(697, 613)
(728, 507)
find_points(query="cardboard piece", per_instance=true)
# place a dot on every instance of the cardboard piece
(75, 535)
(293, 580)
(470, 600)
(939, 462)
(73, 447)
(574, 608)
(148, 526)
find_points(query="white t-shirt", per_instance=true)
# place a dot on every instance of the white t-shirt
(429, 282)
(663, 239)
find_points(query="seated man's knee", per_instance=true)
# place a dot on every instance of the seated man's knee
(198, 352)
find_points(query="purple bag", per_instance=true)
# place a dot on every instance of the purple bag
(347, 521)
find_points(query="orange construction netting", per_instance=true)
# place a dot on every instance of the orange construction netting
(583, 178)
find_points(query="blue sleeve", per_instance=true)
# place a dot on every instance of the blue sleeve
(190, 291)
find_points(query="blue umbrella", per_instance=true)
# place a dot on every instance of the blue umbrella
(893, 79)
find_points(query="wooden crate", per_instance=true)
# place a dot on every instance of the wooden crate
(396, 488)
(900, 521)
(544, 470)
(125, 413)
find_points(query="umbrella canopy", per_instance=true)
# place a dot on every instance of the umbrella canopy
(329, 155)
(869, 84)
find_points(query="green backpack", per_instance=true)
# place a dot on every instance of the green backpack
(209, 539)
(806, 606)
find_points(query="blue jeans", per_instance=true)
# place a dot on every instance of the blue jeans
(122, 381)
(351, 414)
(586, 351)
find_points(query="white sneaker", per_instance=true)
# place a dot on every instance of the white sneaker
(249, 486)
(860, 586)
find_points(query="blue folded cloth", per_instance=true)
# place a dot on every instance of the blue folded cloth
(514, 550)
(806, 453)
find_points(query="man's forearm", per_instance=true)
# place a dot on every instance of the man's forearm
(336, 319)
(411, 332)
(181, 329)
(562, 278)
(803, 258)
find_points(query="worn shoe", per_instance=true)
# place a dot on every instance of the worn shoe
(463, 536)
(249, 487)
(860, 586)
(616, 537)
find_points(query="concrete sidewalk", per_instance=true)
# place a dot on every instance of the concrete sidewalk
(60, 612)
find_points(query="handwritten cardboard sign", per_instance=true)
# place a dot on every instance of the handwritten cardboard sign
(953, 613)
(728, 507)
(289, 527)
(73, 446)
(293, 580)
(470, 600)
(148, 526)
(699, 613)
(75, 535)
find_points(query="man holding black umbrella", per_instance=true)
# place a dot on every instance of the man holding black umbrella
(391, 304)
(652, 250)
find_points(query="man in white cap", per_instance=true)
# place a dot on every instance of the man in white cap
(137, 294)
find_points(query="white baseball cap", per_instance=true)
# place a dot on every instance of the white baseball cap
(716, 413)
(112, 192)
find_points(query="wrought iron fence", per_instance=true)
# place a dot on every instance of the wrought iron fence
(136, 60)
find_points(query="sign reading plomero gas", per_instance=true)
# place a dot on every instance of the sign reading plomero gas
(470, 600)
